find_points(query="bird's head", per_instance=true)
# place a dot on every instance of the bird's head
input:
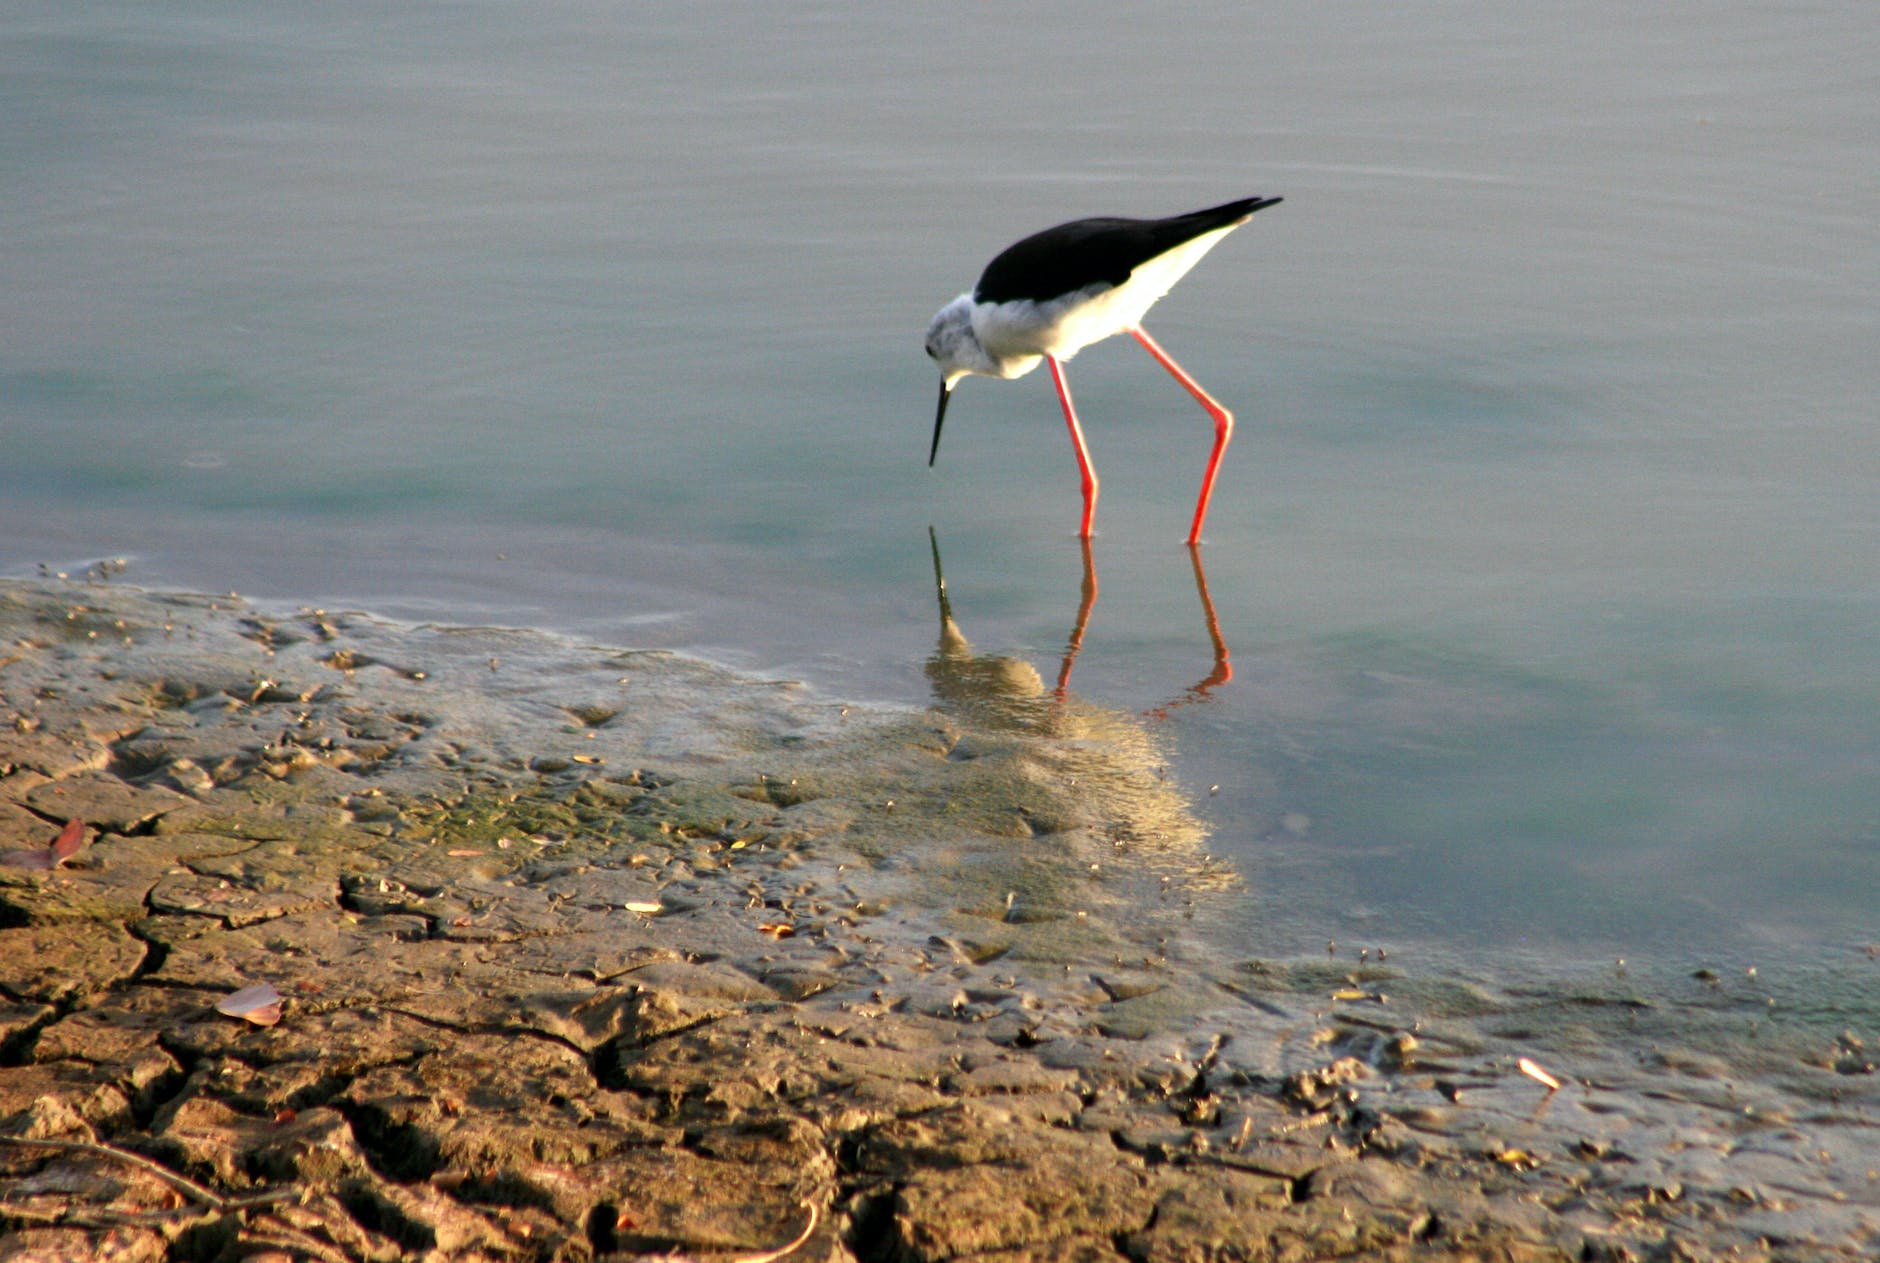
(953, 347)
(951, 343)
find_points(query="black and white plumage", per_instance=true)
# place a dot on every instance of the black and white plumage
(1047, 297)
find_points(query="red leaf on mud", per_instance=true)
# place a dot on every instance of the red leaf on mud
(70, 842)
(260, 1004)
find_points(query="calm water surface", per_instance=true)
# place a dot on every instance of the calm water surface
(1546, 554)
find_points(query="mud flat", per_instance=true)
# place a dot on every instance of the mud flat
(591, 953)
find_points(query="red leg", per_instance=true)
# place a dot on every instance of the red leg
(1223, 425)
(1077, 439)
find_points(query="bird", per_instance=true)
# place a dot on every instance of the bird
(1047, 297)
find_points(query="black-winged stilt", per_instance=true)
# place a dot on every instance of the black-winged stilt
(1054, 293)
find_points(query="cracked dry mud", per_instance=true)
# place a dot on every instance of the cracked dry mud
(589, 953)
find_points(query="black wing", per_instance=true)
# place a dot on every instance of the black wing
(1084, 252)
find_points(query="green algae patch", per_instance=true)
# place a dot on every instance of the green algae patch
(582, 820)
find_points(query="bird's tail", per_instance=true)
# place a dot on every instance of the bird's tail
(1230, 212)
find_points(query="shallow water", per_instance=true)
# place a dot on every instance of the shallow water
(1546, 555)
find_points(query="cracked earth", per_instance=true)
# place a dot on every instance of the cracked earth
(595, 954)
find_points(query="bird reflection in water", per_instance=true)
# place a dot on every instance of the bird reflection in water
(996, 686)
(1120, 846)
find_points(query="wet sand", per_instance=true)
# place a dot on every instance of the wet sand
(587, 952)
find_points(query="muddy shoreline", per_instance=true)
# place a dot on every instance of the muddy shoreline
(592, 953)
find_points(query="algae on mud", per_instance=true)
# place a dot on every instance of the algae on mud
(527, 903)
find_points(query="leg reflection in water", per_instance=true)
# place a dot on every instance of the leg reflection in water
(1223, 667)
(1012, 687)
(1089, 601)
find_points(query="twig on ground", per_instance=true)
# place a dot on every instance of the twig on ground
(277, 1232)
(182, 1183)
(762, 1256)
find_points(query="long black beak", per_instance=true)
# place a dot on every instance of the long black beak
(939, 419)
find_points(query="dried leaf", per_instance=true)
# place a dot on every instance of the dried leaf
(1539, 1075)
(260, 1004)
(70, 842)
